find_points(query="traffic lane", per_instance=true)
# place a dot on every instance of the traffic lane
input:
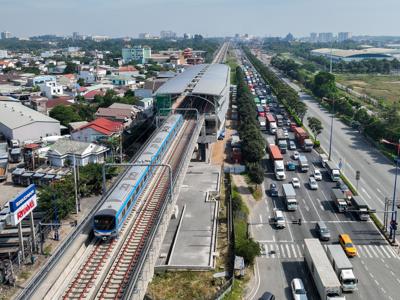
(369, 161)
(269, 268)
(375, 276)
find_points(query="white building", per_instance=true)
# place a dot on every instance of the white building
(18, 122)
(51, 89)
(3, 54)
(65, 151)
(344, 36)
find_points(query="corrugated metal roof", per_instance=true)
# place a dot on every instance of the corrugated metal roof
(14, 115)
(214, 80)
(179, 83)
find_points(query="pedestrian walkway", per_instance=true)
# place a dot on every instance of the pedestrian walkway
(290, 250)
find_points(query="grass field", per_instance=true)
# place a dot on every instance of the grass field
(385, 88)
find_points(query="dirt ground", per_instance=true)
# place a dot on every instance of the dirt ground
(218, 153)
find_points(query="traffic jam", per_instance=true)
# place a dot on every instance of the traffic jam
(304, 188)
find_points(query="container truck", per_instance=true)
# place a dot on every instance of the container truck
(281, 140)
(303, 139)
(361, 207)
(277, 160)
(303, 164)
(289, 195)
(339, 199)
(279, 120)
(261, 121)
(343, 267)
(271, 123)
(325, 279)
(333, 171)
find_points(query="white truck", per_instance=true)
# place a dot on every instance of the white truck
(339, 198)
(289, 195)
(361, 206)
(277, 160)
(323, 159)
(333, 170)
(325, 279)
(343, 267)
(303, 163)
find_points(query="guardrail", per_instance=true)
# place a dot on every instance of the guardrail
(37, 279)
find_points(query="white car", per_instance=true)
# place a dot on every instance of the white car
(298, 290)
(317, 175)
(279, 219)
(313, 183)
(295, 182)
(285, 133)
(296, 155)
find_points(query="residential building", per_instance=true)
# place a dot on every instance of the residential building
(144, 35)
(325, 37)
(96, 130)
(344, 36)
(51, 89)
(18, 122)
(167, 34)
(119, 112)
(128, 71)
(313, 37)
(42, 79)
(147, 104)
(137, 54)
(143, 93)
(3, 54)
(39, 104)
(122, 80)
(5, 35)
(64, 101)
(67, 152)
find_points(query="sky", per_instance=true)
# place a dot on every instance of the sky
(120, 18)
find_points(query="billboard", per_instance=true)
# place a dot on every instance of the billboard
(23, 204)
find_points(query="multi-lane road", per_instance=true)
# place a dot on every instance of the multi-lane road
(377, 172)
(377, 265)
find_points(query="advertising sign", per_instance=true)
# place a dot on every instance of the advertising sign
(23, 204)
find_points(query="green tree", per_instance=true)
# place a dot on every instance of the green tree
(256, 172)
(65, 114)
(315, 126)
(324, 85)
(81, 82)
(70, 68)
(248, 249)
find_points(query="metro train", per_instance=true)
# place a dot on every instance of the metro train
(108, 220)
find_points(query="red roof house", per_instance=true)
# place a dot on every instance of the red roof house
(97, 129)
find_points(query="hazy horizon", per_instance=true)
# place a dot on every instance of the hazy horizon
(121, 18)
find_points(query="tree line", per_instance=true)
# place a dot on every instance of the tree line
(252, 142)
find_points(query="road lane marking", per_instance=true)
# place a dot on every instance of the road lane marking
(394, 254)
(398, 280)
(383, 290)
(377, 248)
(294, 251)
(367, 251)
(379, 191)
(391, 272)
(301, 213)
(384, 251)
(365, 192)
(312, 203)
(261, 220)
(288, 251)
(299, 250)
(373, 251)
(322, 208)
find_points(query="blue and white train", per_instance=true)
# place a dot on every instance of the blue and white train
(108, 220)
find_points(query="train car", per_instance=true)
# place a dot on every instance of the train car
(108, 220)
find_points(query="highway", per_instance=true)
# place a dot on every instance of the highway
(377, 265)
(377, 172)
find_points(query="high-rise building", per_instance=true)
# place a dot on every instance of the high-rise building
(325, 37)
(5, 35)
(313, 37)
(167, 34)
(144, 35)
(76, 36)
(137, 54)
(343, 36)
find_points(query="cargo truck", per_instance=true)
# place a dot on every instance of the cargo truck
(361, 207)
(333, 170)
(303, 139)
(303, 164)
(279, 120)
(343, 267)
(325, 279)
(281, 140)
(261, 121)
(289, 195)
(339, 198)
(271, 123)
(277, 160)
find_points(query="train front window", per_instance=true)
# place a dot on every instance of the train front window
(104, 222)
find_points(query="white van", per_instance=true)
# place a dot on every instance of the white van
(279, 219)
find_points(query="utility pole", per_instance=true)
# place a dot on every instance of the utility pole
(76, 187)
(393, 222)
(120, 143)
(331, 134)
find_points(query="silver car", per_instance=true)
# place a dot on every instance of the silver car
(313, 183)
(298, 290)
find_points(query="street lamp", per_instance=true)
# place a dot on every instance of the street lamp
(331, 135)
(393, 222)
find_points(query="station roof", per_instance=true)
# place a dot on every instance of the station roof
(213, 78)
(355, 53)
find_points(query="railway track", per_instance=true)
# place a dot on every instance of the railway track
(108, 268)
(220, 57)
